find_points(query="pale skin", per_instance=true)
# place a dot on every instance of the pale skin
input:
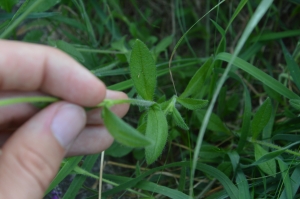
(33, 142)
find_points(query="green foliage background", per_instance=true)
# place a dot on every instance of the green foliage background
(251, 142)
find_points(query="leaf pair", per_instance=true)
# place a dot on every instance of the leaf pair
(143, 74)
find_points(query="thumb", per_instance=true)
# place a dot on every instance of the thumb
(31, 157)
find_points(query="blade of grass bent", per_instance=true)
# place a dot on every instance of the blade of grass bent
(180, 40)
(258, 74)
(260, 11)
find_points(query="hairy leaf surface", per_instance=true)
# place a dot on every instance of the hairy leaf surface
(143, 70)
(157, 130)
(179, 120)
(192, 104)
(261, 118)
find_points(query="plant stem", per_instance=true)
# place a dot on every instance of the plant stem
(99, 51)
(273, 146)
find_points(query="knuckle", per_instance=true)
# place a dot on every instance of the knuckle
(35, 165)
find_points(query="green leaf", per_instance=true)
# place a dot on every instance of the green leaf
(246, 120)
(179, 120)
(117, 150)
(270, 155)
(226, 168)
(261, 118)
(46, 5)
(295, 103)
(122, 132)
(235, 159)
(242, 184)
(78, 181)
(295, 183)
(33, 36)
(42, 7)
(162, 45)
(268, 167)
(143, 70)
(191, 103)
(69, 49)
(7, 5)
(120, 45)
(284, 168)
(198, 80)
(291, 64)
(181, 184)
(219, 28)
(157, 130)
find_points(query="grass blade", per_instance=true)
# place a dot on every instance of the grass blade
(294, 181)
(78, 181)
(183, 36)
(258, 74)
(67, 168)
(284, 168)
(242, 184)
(268, 166)
(260, 11)
(291, 64)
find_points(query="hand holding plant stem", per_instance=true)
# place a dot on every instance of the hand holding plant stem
(34, 142)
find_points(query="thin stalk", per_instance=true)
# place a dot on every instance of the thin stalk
(101, 174)
(99, 51)
(273, 146)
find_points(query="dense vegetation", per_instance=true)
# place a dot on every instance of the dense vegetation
(226, 96)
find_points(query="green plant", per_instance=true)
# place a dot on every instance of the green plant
(232, 131)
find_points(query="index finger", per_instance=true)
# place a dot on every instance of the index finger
(30, 67)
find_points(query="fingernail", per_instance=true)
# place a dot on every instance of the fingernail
(68, 123)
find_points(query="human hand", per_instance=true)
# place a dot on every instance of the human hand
(35, 141)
